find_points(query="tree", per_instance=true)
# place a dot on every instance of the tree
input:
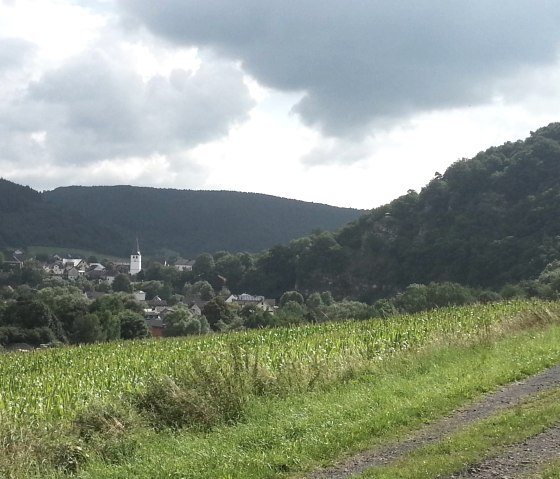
(254, 317)
(87, 329)
(201, 290)
(110, 324)
(67, 303)
(181, 322)
(203, 267)
(30, 313)
(133, 325)
(230, 267)
(152, 288)
(291, 313)
(216, 311)
(122, 283)
(288, 296)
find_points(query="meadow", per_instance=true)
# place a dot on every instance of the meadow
(109, 401)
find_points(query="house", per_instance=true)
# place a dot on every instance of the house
(16, 260)
(196, 307)
(75, 262)
(55, 269)
(156, 303)
(156, 326)
(72, 274)
(250, 300)
(139, 295)
(184, 264)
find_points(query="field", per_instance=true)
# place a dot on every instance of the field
(111, 402)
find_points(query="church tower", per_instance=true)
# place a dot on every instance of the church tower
(136, 261)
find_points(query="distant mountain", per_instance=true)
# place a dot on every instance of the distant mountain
(190, 222)
(27, 219)
(487, 221)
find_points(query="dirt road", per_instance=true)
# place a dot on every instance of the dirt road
(516, 461)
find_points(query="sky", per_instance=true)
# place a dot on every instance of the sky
(349, 103)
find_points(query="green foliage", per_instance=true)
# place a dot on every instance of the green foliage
(217, 313)
(345, 310)
(87, 329)
(121, 283)
(486, 222)
(152, 288)
(34, 319)
(201, 290)
(203, 268)
(66, 302)
(181, 322)
(187, 222)
(293, 296)
(133, 325)
(27, 218)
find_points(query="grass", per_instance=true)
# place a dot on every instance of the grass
(273, 403)
(288, 435)
(51, 385)
(550, 471)
(482, 440)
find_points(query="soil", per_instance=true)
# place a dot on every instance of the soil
(514, 463)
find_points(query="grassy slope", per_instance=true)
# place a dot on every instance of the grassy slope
(287, 435)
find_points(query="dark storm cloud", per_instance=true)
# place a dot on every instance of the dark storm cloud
(367, 61)
(96, 107)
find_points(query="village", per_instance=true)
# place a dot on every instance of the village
(76, 270)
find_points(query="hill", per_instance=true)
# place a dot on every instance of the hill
(191, 222)
(27, 219)
(487, 221)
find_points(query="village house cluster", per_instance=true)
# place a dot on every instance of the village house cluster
(156, 308)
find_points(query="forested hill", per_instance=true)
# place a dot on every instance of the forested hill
(27, 219)
(486, 221)
(190, 222)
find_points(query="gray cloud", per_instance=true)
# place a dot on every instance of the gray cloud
(367, 61)
(95, 107)
(14, 52)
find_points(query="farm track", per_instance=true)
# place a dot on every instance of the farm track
(519, 460)
(515, 461)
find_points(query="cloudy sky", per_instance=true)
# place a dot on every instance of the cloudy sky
(349, 103)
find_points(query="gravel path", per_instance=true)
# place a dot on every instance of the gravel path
(508, 396)
(519, 460)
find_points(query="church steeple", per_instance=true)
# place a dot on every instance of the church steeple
(136, 260)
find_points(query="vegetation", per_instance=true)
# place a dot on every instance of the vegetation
(482, 440)
(490, 223)
(486, 222)
(387, 288)
(192, 222)
(304, 394)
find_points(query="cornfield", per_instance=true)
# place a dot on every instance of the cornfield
(47, 385)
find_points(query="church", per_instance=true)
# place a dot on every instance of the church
(135, 261)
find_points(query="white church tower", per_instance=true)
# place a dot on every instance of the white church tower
(136, 261)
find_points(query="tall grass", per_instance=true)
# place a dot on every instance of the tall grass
(50, 385)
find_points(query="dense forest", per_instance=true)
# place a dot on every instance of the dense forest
(486, 222)
(26, 219)
(108, 219)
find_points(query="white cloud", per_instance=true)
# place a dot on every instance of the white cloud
(343, 103)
